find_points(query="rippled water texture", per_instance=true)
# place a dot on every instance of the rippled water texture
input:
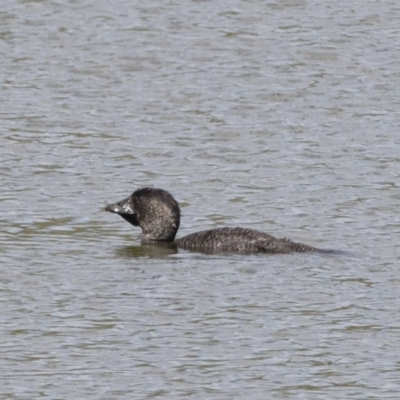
(281, 116)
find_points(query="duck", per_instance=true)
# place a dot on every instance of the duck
(158, 214)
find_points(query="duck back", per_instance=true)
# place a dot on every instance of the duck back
(239, 240)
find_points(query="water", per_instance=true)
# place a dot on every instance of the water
(281, 116)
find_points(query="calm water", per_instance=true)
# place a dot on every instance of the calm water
(281, 116)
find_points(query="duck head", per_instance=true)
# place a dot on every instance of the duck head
(154, 210)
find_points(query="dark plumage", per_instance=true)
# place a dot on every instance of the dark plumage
(158, 214)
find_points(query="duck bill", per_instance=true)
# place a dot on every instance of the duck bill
(123, 207)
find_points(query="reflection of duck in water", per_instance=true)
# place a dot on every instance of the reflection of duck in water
(158, 214)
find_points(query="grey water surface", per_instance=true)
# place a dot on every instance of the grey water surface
(281, 116)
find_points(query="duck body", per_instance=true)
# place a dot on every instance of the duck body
(158, 215)
(239, 240)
